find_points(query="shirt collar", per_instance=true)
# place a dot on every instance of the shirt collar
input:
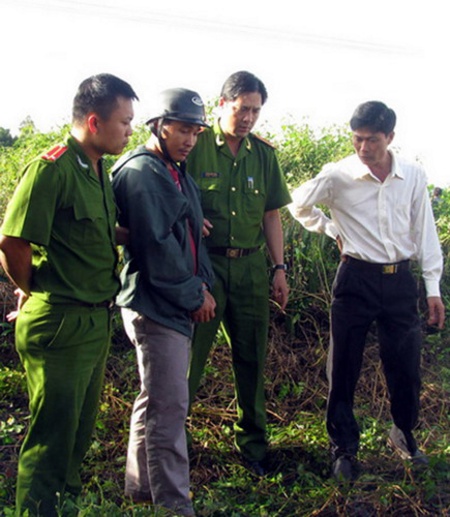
(220, 137)
(362, 170)
(396, 169)
(82, 159)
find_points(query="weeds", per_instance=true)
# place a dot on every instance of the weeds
(298, 483)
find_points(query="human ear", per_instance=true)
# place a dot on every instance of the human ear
(92, 121)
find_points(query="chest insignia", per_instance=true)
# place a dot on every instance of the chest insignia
(211, 175)
(81, 163)
(55, 153)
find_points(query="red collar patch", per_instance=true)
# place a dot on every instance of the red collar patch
(55, 153)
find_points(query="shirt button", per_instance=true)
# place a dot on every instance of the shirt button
(233, 189)
(256, 191)
(233, 213)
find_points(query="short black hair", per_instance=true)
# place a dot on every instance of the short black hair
(240, 83)
(374, 115)
(99, 94)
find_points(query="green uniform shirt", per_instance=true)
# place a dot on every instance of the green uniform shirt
(68, 216)
(236, 191)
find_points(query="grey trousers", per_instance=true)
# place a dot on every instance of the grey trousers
(157, 460)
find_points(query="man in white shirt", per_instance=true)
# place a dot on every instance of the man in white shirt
(381, 218)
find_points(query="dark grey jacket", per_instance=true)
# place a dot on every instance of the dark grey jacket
(158, 278)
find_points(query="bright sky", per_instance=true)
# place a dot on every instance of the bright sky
(318, 58)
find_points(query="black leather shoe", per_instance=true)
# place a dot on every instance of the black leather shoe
(405, 446)
(257, 467)
(345, 468)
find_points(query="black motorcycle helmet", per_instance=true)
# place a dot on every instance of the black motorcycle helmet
(177, 104)
(182, 105)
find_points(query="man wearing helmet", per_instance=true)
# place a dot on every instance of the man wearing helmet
(166, 281)
(242, 190)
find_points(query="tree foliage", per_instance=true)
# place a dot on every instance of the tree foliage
(28, 145)
(303, 151)
(6, 139)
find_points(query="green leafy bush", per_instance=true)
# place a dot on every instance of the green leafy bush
(299, 483)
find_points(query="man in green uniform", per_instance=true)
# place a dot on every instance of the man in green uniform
(58, 247)
(242, 190)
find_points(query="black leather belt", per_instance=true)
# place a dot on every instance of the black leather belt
(384, 269)
(232, 252)
(107, 304)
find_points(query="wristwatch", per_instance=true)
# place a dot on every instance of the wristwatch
(280, 266)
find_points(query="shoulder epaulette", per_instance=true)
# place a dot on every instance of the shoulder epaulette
(264, 141)
(55, 153)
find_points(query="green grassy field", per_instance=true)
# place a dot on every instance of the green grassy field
(298, 483)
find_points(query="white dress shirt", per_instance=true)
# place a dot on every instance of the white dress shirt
(380, 222)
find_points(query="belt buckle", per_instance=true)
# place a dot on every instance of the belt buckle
(233, 253)
(389, 269)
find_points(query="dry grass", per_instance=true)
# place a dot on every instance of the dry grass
(296, 395)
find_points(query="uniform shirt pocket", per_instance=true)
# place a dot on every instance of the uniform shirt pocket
(211, 192)
(254, 199)
(88, 224)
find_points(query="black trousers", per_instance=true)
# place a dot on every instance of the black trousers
(362, 294)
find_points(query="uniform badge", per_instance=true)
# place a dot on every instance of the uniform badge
(55, 153)
(81, 163)
(211, 175)
(264, 141)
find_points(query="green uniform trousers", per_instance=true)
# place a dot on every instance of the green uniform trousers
(63, 349)
(241, 291)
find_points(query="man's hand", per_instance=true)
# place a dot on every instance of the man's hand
(206, 227)
(122, 236)
(339, 243)
(21, 299)
(280, 289)
(273, 233)
(206, 311)
(15, 257)
(436, 311)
